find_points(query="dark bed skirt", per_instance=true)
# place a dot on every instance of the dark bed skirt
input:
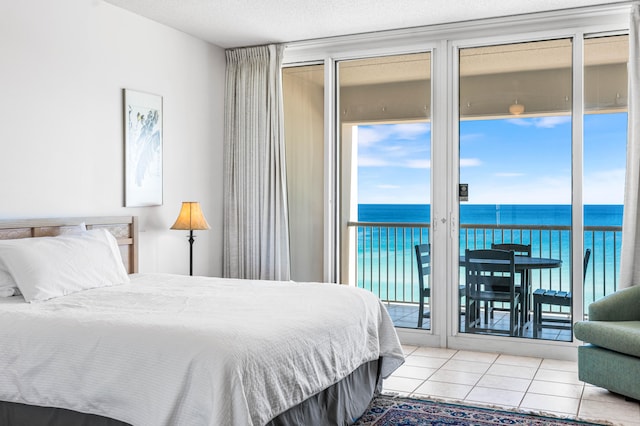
(15, 414)
(340, 404)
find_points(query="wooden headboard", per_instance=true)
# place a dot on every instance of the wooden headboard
(124, 228)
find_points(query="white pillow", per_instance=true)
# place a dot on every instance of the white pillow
(8, 286)
(48, 267)
(7, 291)
(5, 277)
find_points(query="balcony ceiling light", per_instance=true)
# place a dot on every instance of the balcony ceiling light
(516, 108)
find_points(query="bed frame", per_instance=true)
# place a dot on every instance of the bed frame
(341, 403)
(124, 228)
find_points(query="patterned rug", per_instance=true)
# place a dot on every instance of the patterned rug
(387, 410)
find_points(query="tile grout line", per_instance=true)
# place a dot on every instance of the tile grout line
(483, 374)
(538, 367)
(518, 406)
(530, 383)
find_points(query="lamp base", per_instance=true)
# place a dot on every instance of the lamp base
(191, 240)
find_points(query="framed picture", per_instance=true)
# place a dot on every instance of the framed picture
(142, 149)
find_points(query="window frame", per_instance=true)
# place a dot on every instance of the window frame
(443, 41)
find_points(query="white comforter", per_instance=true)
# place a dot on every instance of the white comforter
(174, 350)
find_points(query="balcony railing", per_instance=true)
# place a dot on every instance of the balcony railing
(385, 261)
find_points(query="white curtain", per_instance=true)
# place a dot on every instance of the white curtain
(256, 229)
(630, 256)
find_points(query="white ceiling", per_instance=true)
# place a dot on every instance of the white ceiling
(237, 23)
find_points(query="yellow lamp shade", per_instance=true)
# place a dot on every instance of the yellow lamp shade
(191, 217)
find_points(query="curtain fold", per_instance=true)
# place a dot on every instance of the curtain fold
(630, 252)
(256, 228)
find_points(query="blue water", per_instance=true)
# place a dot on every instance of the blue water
(385, 255)
(514, 214)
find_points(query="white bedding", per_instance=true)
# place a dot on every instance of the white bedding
(174, 350)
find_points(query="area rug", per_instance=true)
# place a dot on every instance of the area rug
(387, 410)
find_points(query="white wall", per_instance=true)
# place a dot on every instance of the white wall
(63, 65)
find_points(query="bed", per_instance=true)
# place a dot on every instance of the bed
(94, 342)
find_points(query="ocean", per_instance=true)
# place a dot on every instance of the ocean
(511, 214)
(386, 263)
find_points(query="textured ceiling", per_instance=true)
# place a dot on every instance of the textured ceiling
(237, 23)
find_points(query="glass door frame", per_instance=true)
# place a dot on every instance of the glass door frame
(433, 336)
(443, 41)
(530, 347)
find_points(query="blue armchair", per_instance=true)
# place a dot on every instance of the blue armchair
(611, 356)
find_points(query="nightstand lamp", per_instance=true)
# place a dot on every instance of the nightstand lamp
(191, 218)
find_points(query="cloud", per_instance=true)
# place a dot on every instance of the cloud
(418, 164)
(468, 137)
(470, 162)
(380, 162)
(520, 122)
(542, 189)
(369, 135)
(604, 187)
(410, 131)
(394, 145)
(551, 122)
(542, 122)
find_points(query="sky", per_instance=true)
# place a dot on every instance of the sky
(505, 161)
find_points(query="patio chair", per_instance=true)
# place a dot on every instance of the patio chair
(423, 259)
(490, 277)
(556, 298)
(525, 280)
(519, 249)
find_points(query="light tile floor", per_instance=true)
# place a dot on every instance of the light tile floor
(530, 384)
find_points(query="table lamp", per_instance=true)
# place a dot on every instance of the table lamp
(191, 218)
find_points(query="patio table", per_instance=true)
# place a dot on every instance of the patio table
(522, 265)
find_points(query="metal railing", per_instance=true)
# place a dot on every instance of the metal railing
(385, 260)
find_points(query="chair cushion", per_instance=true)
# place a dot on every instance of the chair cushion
(619, 336)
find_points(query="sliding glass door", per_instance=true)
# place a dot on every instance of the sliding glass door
(515, 158)
(605, 145)
(480, 138)
(518, 152)
(385, 157)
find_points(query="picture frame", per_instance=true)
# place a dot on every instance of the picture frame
(143, 158)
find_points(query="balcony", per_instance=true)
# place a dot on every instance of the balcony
(385, 262)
